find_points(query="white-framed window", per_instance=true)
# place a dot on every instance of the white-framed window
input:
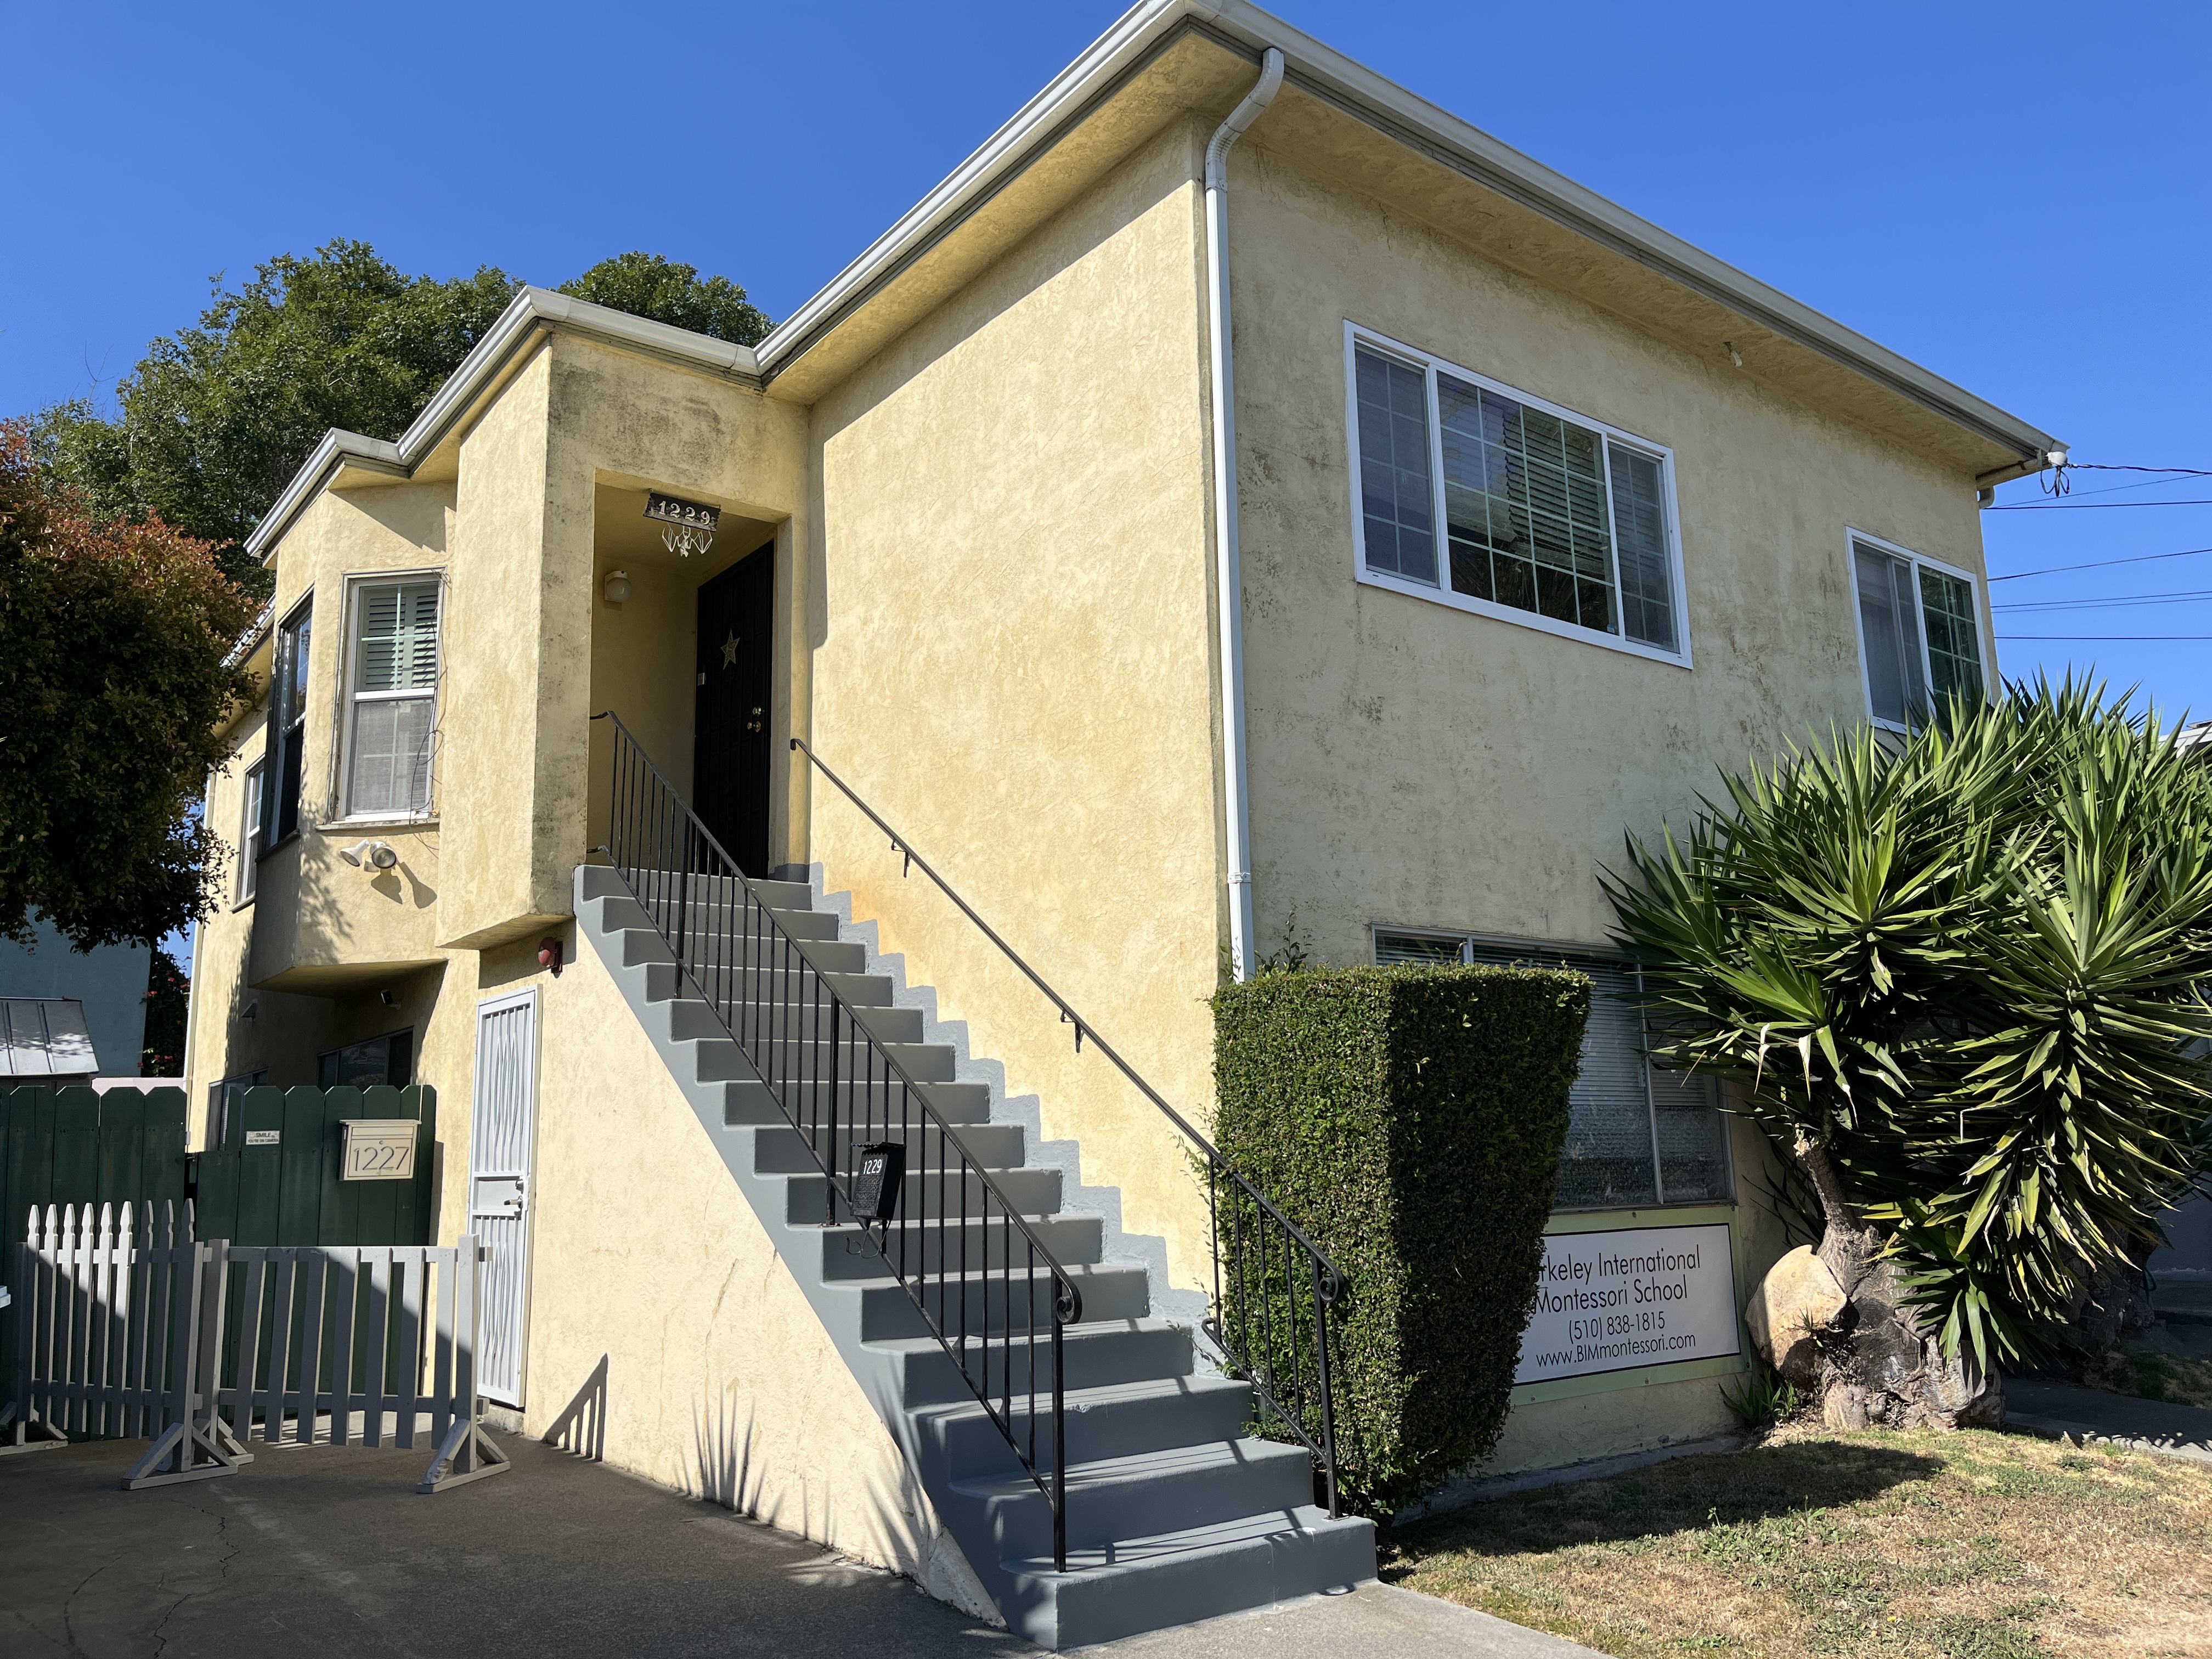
(1479, 496)
(1637, 1137)
(391, 696)
(1920, 631)
(252, 828)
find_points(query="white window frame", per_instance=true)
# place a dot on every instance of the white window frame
(1356, 337)
(253, 785)
(1987, 640)
(341, 745)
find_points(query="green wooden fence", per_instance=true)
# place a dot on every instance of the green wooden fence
(273, 1181)
(74, 1146)
(257, 1189)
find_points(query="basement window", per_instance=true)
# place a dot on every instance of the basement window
(1485, 499)
(393, 698)
(1637, 1137)
(1919, 632)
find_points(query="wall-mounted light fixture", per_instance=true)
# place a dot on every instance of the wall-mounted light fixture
(370, 855)
(252, 1012)
(617, 587)
(549, 955)
(386, 998)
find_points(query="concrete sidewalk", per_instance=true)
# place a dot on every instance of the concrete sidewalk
(329, 1550)
(2055, 1409)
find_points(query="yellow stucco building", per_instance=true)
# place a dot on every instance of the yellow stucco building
(1240, 490)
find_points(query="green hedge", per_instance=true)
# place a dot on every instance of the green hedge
(1410, 1120)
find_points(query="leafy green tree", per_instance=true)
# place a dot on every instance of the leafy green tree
(216, 418)
(115, 643)
(647, 285)
(1962, 978)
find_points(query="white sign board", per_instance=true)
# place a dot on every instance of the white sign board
(1634, 1297)
(377, 1149)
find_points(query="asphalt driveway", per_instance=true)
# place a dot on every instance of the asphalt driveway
(329, 1551)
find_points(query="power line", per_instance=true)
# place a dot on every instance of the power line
(2099, 565)
(2086, 506)
(2107, 466)
(2196, 597)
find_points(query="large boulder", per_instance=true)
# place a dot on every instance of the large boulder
(1797, 1300)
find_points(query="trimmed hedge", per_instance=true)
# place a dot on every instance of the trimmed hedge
(1410, 1120)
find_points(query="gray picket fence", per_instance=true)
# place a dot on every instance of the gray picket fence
(121, 1322)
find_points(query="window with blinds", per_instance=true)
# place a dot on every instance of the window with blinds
(1511, 507)
(395, 698)
(1637, 1137)
(1919, 634)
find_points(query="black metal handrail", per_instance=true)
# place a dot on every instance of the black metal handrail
(956, 1243)
(1246, 1307)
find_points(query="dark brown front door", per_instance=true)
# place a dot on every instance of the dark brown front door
(730, 743)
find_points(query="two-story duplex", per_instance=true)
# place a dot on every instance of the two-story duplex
(1242, 490)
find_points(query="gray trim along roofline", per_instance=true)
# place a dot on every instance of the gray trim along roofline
(1133, 39)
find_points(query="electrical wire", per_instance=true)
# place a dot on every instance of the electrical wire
(2086, 507)
(2107, 603)
(2099, 565)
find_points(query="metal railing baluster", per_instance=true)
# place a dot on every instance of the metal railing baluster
(1269, 1230)
(833, 1080)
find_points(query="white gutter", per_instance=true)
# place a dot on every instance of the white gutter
(1229, 581)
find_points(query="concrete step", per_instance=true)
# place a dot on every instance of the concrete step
(1149, 1493)
(790, 1026)
(780, 1148)
(989, 1304)
(1124, 1419)
(1145, 1583)
(1097, 1354)
(976, 1248)
(956, 1103)
(663, 983)
(936, 1191)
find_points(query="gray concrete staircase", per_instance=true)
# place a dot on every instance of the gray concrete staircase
(1174, 1513)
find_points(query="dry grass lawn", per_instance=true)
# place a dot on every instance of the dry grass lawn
(1971, 1546)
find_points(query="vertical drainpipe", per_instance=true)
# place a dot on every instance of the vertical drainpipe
(1228, 583)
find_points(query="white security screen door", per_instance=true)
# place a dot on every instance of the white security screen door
(501, 1130)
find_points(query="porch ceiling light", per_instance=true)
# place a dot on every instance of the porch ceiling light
(617, 587)
(686, 528)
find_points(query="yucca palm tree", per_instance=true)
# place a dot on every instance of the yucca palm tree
(1963, 977)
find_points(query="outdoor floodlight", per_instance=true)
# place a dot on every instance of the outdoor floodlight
(371, 855)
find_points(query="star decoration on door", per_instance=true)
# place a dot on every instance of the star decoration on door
(730, 650)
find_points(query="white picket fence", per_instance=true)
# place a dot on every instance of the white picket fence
(128, 1327)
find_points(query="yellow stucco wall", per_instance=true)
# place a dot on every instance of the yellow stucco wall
(1010, 661)
(721, 1380)
(1415, 764)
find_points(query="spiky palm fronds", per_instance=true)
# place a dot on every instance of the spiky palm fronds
(1970, 968)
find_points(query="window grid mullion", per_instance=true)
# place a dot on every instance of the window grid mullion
(1442, 527)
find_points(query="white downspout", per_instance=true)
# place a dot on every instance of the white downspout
(1228, 583)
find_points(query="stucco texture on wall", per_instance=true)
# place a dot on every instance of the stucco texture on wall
(721, 1380)
(1415, 764)
(1011, 662)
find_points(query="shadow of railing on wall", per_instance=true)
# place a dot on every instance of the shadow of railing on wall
(581, 1427)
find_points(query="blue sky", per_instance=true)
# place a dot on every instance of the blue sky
(2014, 195)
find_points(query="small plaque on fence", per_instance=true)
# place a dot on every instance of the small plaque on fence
(263, 1137)
(379, 1149)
